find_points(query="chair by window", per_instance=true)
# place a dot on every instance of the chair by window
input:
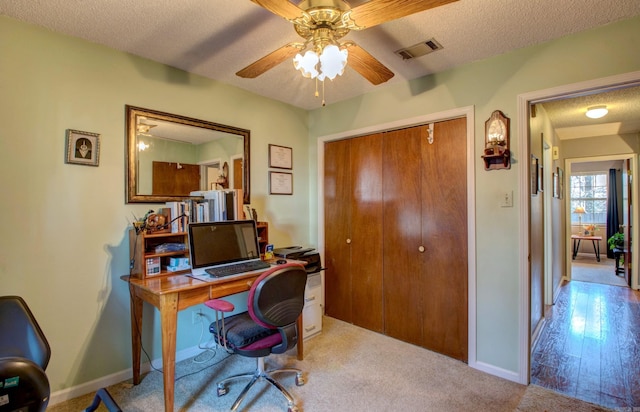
(274, 304)
(24, 356)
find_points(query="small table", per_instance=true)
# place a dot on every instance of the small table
(593, 239)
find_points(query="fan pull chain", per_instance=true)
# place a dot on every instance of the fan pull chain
(317, 94)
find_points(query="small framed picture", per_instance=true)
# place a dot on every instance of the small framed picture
(83, 148)
(540, 178)
(280, 183)
(533, 170)
(280, 157)
(560, 174)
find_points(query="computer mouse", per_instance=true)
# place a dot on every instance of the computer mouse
(281, 261)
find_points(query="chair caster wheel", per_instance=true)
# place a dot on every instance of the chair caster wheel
(292, 408)
(222, 390)
(300, 379)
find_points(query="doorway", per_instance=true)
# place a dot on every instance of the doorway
(598, 178)
(562, 242)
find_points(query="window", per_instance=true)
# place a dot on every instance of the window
(589, 190)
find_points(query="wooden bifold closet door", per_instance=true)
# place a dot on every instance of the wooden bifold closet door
(353, 246)
(396, 235)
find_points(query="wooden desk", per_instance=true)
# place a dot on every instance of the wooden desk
(593, 239)
(170, 294)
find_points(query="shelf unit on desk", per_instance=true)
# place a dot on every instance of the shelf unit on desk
(263, 235)
(142, 253)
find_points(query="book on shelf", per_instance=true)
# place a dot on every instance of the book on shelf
(206, 206)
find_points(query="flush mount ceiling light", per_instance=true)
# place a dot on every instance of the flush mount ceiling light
(596, 112)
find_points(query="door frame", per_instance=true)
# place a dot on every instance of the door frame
(466, 112)
(524, 101)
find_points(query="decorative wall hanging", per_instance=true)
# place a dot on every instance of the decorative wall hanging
(280, 183)
(496, 142)
(558, 183)
(280, 157)
(83, 148)
(533, 172)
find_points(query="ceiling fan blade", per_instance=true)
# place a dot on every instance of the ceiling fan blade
(282, 8)
(376, 12)
(270, 61)
(368, 66)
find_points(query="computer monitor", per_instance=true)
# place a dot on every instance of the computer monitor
(222, 243)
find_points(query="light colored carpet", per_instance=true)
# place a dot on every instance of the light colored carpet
(347, 369)
(586, 268)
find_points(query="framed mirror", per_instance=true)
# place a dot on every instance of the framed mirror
(169, 156)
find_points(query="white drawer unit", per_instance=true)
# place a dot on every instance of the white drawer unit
(312, 312)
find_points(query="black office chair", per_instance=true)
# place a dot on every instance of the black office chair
(274, 304)
(24, 356)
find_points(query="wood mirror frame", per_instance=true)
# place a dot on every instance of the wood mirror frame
(135, 192)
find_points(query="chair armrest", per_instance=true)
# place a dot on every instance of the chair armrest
(220, 305)
(289, 336)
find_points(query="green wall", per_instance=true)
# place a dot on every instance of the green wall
(491, 84)
(65, 242)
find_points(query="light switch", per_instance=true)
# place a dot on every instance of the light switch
(507, 199)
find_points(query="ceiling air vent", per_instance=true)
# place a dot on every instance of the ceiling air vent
(419, 49)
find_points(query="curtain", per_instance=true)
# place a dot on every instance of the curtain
(613, 223)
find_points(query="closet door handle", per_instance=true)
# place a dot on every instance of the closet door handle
(421, 249)
(348, 241)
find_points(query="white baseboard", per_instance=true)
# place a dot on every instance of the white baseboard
(105, 381)
(499, 372)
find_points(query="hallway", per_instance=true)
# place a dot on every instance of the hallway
(590, 346)
(585, 268)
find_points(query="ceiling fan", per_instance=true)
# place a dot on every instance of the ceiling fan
(143, 128)
(322, 23)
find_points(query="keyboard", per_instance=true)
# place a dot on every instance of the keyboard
(222, 271)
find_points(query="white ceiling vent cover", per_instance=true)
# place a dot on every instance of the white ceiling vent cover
(420, 49)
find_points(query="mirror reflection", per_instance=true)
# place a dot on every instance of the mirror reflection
(170, 156)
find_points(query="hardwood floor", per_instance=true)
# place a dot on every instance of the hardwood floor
(590, 346)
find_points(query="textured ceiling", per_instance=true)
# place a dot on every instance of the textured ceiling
(568, 115)
(216, 38)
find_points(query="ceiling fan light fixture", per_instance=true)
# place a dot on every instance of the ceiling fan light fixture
(332, 62)
(596, 112)
(307, 64)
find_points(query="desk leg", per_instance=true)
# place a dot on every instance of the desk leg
(597, 250)
(169, 324)
(576, 246)
(300, 340)
(136, 334)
